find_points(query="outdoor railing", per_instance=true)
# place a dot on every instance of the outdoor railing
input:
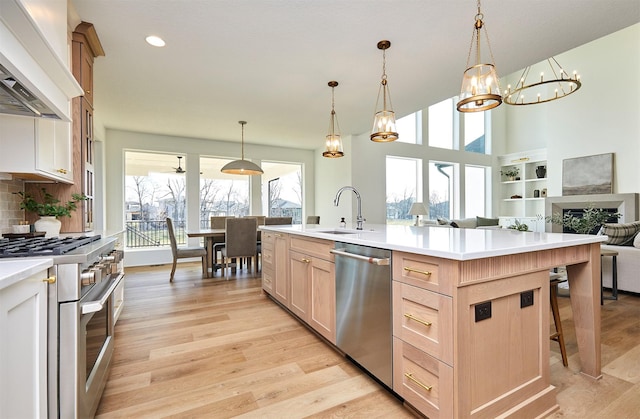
(152, 233)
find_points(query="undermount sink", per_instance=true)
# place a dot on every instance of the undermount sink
(339, 231)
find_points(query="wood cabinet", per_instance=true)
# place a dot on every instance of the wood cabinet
(522, 196)
(23, 348)
(471, 337)
(306, 285)
(423, 340)
(36, 148)
(85, 47)
(313, 284)
(275, 261)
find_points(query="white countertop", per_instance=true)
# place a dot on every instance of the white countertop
(450, 243)
(15, 270)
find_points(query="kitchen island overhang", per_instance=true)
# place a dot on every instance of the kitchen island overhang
(500, 366)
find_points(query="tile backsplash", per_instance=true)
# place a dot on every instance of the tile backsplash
(10, 212)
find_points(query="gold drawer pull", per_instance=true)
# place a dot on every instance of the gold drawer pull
(305, 260)
(412, 317)
(50, 280)
(410, 377)
(408, 269)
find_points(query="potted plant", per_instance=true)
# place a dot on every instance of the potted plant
(49, 208)
(517, 225)
(510, 173)
(591, 219)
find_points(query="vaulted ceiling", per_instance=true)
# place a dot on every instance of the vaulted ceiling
(269, 61)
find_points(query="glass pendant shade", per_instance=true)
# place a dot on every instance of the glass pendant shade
(384, 127)
(384, 121)
(480, 90)
(242, 166)
(333, 143)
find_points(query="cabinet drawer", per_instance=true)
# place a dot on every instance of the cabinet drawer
(267, 279)
(434, 274)
(313, 247)
(422, 381)
(267, 254)
(424, 319)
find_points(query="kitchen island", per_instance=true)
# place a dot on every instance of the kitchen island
(470, 309)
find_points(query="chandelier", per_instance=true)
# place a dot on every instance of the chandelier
(560, 84)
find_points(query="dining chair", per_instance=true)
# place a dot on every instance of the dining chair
(278, 220)
(218, 221)
(313, 219)
(184, 252)
(240, 241)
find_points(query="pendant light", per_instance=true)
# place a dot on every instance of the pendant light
(536, 91)
(242, 166)
(480, 90)
(333, 142)
(384, 122)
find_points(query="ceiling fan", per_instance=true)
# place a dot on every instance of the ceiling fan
(179, 169)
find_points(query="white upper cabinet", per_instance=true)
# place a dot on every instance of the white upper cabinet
(36, 148)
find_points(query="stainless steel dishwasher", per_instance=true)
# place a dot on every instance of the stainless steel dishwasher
(363, 307)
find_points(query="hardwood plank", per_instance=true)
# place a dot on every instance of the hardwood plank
(210, 348)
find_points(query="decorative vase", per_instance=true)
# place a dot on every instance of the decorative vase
(49, 224)
(541, 171)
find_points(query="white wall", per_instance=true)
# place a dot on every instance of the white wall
(331, 175)
(602, 117)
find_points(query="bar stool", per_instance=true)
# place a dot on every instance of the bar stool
(614, 274)
(554, 280)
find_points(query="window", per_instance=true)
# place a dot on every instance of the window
(475, 196)
(442, 189)
(441, 118)
(404, 187)
(282, 190)
(221, 194)
(154, 190)
(474, 138)
(410, 128)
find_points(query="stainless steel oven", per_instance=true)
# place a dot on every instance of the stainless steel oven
(86, 341)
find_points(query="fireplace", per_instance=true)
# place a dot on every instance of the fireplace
(626, 204)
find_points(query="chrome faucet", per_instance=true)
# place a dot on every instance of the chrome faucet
(359, 218)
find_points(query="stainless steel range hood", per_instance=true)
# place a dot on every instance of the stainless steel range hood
(16, 99)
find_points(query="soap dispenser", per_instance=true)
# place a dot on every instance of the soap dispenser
(343, 223)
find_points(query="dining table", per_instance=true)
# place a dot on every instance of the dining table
(213, 236)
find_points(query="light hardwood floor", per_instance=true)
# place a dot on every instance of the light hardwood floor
(214, 348)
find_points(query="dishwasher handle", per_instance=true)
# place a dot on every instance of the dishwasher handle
(373, 261)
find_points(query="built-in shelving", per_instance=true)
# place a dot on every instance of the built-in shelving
(522, 196)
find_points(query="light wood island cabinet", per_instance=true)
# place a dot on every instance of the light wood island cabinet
(313, 284)
(275, 260)
(471, 322)
(306, 286)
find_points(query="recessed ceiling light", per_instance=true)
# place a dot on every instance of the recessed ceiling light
(156, 41)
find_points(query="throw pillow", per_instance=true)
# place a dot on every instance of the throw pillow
(464, 223)
(621, 234)
(443, 221)
(454, 224)
(482, 221)
(636, 241)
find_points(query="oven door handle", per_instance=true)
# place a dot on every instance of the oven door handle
(97, 305)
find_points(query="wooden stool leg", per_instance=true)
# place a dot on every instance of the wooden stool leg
(558, 336)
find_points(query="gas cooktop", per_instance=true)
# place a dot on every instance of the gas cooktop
(41, 246)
